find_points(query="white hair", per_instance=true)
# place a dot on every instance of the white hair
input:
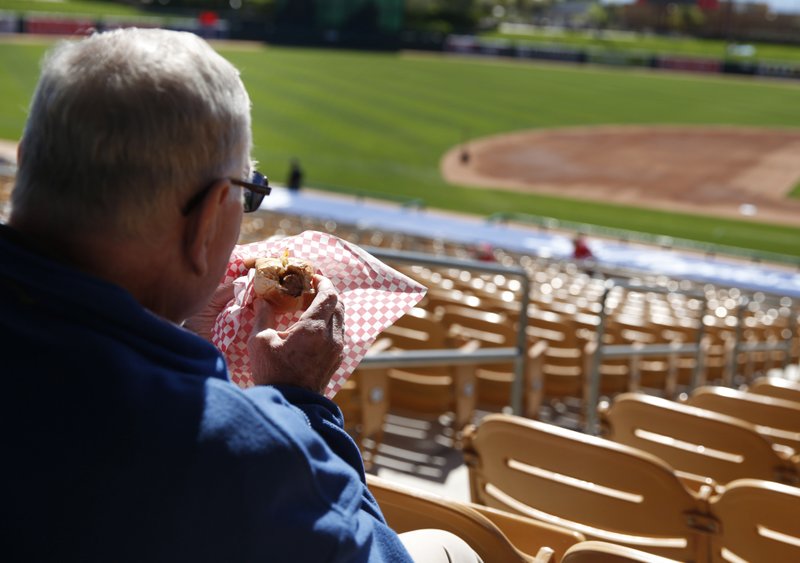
(125, 123)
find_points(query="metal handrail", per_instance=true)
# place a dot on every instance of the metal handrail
(417, 357)
(425, 358)
(634, 350)
(740, 345)
(627, 350)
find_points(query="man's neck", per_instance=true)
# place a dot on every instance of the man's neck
(143, 267)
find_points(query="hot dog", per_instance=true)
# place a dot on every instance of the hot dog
(285, 282)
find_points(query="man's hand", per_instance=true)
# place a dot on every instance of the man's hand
(307, 353)
(203, 322)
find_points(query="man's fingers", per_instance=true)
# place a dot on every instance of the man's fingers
(222, 295)
(337, 322)
(324, 303)
(265, 316)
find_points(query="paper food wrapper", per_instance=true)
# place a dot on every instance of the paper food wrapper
(374, 296)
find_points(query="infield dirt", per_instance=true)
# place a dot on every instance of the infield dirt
(734, 172)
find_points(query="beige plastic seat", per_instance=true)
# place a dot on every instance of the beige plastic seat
(432, 390)
(776, 387)
(464, 325)
(776, 419)
(494, 384)
(562, 372)
(436, 298)
(615, 373)
(604, 490)
(603, 552)
(364, 403)
(495, 536)
(696, 441)
(559, 330)
(760, 521)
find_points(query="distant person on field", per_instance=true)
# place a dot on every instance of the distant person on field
(583, 255)
(580, 248)
(124, 439)
(484, 252)
(295, 180)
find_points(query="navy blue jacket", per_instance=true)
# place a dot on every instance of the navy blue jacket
(124, 441)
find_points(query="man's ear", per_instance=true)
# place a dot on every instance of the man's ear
(202, 226)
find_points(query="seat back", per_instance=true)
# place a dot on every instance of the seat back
(528, 534)
(777, 419)
(603, 552)
(759, 522)
(433, 390)
(694, 440)
(416, 330)
(776, 387)
(463, 324)
(406, 509)
(605, 490)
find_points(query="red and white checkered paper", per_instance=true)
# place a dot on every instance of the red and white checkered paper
(374, 296)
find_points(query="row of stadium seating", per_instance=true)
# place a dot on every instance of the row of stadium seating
(668, 480)
(469, 309)
(652, 486)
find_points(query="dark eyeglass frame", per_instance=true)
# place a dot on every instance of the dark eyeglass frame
(255, 191)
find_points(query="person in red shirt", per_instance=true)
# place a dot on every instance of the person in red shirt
(581, 250)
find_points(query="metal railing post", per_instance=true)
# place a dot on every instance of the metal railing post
(617, 351)
(590, 401)
(517, 387)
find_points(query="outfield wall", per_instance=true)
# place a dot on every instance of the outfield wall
(58, 24)
(473, 45)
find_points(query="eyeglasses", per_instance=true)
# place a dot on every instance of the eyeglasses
(255, 191)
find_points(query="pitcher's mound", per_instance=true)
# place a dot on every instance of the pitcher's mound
(725, 171)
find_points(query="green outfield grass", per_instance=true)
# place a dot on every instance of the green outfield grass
(381, 122)
(70, 7)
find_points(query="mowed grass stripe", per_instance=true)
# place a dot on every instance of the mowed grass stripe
(401, 109)
(381, 122)
(19, 68)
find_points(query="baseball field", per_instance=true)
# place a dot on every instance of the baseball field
(384, 122)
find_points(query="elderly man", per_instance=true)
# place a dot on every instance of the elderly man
(124, 440)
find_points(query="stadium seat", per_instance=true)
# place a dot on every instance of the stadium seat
(776, 387)
(432, 390)
(494, 381)
(605, 552)
(696, 441)
(496, 536)
(463, 324)
(558, 329)
(614, 373)
(364, 403)
(759, 522)
(604, 490)
(776, 419)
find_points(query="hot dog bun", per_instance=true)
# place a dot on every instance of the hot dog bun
(285, 281)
